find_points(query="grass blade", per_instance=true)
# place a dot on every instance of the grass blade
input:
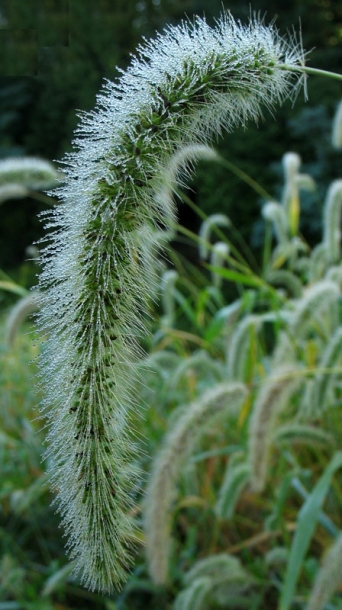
(13, 287)
(306, 524)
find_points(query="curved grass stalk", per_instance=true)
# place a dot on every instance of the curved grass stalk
(313, 71)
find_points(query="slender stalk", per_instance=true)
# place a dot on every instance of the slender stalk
(244, 177)
(313, 71)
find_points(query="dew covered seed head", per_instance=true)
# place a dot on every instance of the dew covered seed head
(181, 89)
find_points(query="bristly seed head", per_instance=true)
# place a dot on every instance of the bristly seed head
(181, 89)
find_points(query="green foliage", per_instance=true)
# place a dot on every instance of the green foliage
(27, 521)
(283, 343)
(79, 43)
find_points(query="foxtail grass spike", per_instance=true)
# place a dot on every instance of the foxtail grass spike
(272, 399)
(291, 163)
(336, 136)
(305, 182)
(239, 346)
(21, 310)
(303, 434)
(223, 400)
(168, 283)
(195, 596)
(162, 360)
(302, 265)
(12, 191)
(332, 222)
(315, 299)
(324, 381)
(318, 262)
(288, 251)
(29, 172)
(278, 556)
(182, 88)
(32, 253)
(328, 578)
(225, 576)
(218, 257)
(287, 279)
(295, 181)
(229, 314)
(290, 197)
(221, 567)
(285, 350)
(178, 169)
(201, 363)
(275, 213)
(307, 407)
(218, 220)
(334, 274)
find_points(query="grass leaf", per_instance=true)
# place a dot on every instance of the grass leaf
(13, 287)
(307, 521)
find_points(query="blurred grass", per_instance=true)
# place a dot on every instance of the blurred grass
(31, 543)
(182, 361)
(34, 571)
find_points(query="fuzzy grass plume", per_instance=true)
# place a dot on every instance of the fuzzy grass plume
(182, 88)
(221, 401)
(218, 220)
(332, 221)
(218, 578)
(23, 308)
(329, 577)
(275, 213)
(272, 399)
(28, 172)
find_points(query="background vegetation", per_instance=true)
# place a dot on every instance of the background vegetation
(56, 55)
